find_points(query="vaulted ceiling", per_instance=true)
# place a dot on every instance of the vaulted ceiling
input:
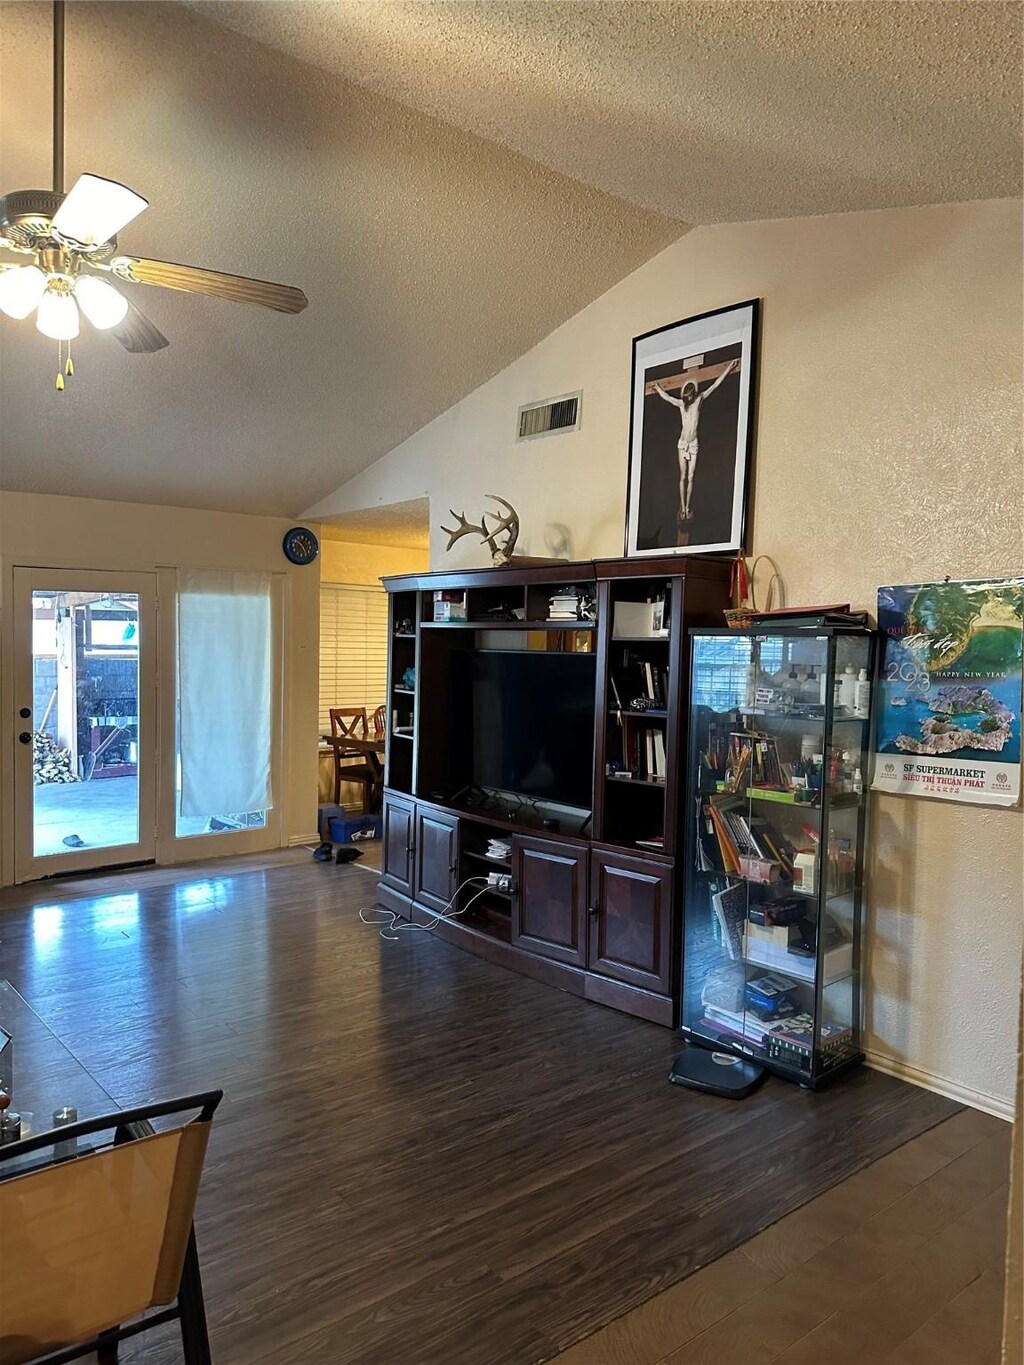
(447, 182)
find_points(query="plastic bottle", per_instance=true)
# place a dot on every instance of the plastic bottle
(847, 688)
(862, 695)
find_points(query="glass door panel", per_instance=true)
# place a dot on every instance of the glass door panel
(220, 718)
(84, 770)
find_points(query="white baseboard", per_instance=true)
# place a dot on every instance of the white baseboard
(927, 1080)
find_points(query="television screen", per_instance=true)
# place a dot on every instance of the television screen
(533, 724)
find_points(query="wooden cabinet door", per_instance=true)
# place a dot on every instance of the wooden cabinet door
(436, 858)
(549, 903)
(397, 843)
(631, 920)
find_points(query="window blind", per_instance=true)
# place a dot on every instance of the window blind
(353, 648)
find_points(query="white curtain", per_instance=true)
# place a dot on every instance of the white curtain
(225, 657)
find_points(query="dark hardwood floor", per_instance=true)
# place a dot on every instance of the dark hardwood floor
(421, 1159)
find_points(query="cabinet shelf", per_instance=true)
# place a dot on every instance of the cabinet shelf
(494, 891)
(637, 781)
(404, 635)
(653, 713)
(504, 863)
(404, 691)
(641, 639)
(508, 625)
(402, 734)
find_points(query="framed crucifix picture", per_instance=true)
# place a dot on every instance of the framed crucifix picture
(691, 434)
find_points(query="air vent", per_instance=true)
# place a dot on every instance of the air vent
(550, 418)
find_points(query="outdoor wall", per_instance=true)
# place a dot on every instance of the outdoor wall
(82, 533)
(343, 561)
(888, 450)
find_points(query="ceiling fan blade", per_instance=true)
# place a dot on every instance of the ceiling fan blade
(191, 279)
(95, 210)
(136, 333)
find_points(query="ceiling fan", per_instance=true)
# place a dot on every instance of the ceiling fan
(72, 240)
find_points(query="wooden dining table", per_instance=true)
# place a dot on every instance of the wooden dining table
(372, 747)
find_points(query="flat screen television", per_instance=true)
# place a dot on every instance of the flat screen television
(533, 724)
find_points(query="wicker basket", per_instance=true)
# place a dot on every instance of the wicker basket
(739, 618)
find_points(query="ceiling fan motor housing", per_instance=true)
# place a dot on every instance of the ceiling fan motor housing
(26, 221)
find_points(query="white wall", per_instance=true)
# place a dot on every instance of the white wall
(888, 450)
(82, 533)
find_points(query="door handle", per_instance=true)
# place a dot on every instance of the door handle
(594, 909)
(25, 737)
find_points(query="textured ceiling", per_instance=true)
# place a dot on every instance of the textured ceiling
(406, 524)
(430, 258)
(707, 110)
(447, 182)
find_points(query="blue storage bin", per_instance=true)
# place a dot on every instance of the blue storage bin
(352, 829)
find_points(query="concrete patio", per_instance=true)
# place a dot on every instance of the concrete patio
(103, 813)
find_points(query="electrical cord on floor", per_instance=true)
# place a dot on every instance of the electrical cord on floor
(392, 926)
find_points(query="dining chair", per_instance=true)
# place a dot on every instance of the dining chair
(91, 1240)
(380, 718)
(349, 722)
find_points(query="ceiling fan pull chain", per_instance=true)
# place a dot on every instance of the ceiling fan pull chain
(59, 384)
(69, 366)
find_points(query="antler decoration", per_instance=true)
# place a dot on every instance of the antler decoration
(507, 526)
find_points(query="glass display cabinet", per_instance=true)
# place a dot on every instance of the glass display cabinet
(779, 732)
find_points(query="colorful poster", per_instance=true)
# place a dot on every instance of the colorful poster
(948, 718)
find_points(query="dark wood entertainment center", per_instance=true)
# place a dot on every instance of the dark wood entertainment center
(595, 904)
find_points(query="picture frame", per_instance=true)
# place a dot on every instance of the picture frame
(691, 443)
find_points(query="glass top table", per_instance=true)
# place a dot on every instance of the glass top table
(42, 1076)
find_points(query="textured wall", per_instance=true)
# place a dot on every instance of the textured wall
(342, 561)
(888, 451)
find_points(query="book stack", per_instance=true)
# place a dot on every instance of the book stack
(499, 850)
(738, 1024)
(746, 848)
(564, 605)
(653, 764)
(754, 762)
(792, 1042)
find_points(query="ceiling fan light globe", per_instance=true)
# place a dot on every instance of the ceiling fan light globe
(96, 210)
(20, 290)
(101, 303)
(58, 314)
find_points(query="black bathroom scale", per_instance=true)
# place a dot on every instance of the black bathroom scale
(716, 1073)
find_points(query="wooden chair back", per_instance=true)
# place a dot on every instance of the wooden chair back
(380, 718)
(348, 721)
(91, 1242)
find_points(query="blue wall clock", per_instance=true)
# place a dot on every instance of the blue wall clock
(300, 545)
